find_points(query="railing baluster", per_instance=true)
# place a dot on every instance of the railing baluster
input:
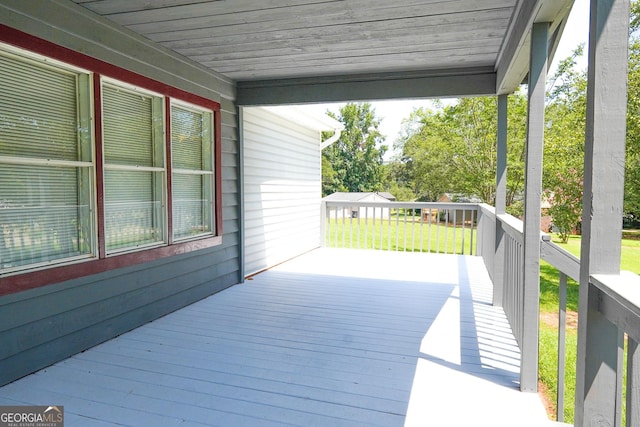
(343, 228)
(404, 239)
(430, 219)
(335, 223)
(366, 228)
(397, 227)
(438, 233)
(562, 319)
(381, 226)
(389, 231)
(446, 233)
(350, 231)
(474, 217)
(455, 227)
(373, 230)
(413, 230)
(464, 220)
(421, 228)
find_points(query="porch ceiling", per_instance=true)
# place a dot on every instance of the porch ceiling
(455, 47)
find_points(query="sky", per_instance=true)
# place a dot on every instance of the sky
(393, 112)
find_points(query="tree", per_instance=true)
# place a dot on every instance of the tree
(563, 170)
(566, 202)
(453, 149)
(353, 163)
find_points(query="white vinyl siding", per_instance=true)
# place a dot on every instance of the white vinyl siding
(282, 189)
(46, 163)
(192, 171)
(134, 178)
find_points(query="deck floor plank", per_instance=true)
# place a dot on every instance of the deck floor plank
(334, 337)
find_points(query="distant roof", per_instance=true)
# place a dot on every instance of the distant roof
(459, 198)
(387, 195)
(340, 196)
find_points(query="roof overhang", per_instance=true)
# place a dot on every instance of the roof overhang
(512, 66)
(313, 51)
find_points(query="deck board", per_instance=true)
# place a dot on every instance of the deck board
(335, 337)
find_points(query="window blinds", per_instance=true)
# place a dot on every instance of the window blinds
(134, 172)
(44, 203)
(191, 142)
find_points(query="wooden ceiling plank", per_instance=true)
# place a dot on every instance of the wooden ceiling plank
(108, 7)
(414, 26)
(385, 63)
(141, 11)
(267, 50)
(134, 12)
(313, 15)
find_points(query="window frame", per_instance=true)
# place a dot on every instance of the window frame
(157, 164)
(38, 276)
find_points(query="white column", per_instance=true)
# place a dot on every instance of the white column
(598, 340)
(533, 196)
(501, 201)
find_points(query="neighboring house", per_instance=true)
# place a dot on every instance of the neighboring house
(457, 216)
(361, 212)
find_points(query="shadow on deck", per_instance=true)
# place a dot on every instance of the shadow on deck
(332, 338)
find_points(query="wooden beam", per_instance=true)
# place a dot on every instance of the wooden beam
(444, 83)
(501, 201)
(511, 66)
(598, 339)
(533, 197)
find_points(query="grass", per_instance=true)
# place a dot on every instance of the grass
(548, 366)
(549, 283)
(399, 233)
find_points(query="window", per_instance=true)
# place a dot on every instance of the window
(46, 163)
(96, 169)
(192, 165)
(134, 173)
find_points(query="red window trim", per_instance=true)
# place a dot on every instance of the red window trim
(38, 278)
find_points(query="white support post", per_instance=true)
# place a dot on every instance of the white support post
(533, 196)
(598, 339)
(501, 202)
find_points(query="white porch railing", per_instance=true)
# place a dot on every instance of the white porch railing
(474, 229)
(448, 228)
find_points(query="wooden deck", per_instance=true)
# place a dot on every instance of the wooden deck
(332, 338)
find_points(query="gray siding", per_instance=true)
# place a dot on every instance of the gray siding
(41, 326)
(282, 188)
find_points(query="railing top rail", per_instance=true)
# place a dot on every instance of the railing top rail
(558, 257)
(512, 226)
(620, 300)
(403, 205)
(487, 208)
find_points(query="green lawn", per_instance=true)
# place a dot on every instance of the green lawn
(396, 233)
(549, 282)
